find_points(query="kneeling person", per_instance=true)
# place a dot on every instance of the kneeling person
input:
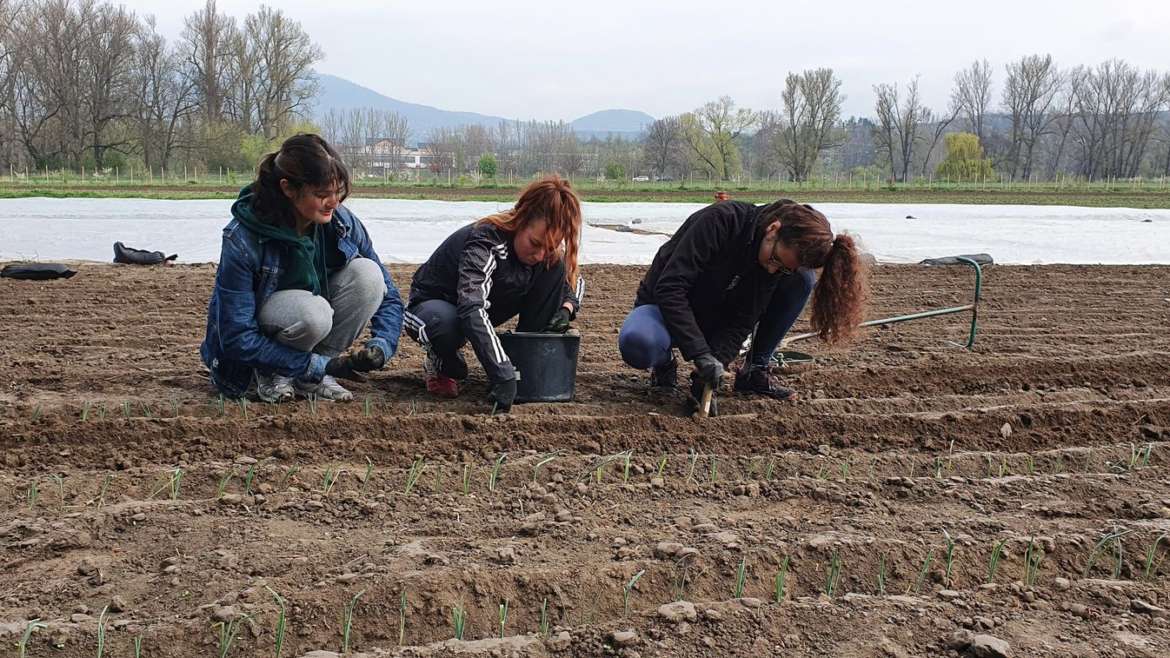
(298, 281)
(732, 267)
(519, 262)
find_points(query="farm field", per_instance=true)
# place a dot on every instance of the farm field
(919, 499)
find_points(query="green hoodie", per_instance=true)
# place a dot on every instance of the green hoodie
(304, 258)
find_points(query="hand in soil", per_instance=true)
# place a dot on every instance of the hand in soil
(501, 395)
(708, 369)
(343, 367)
(370, 358)
(695, 398)
(559, 323)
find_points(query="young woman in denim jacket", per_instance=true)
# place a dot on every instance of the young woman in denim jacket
(298, 281)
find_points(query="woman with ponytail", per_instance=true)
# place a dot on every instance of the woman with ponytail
(732, 267)
(519, 262)
(298, 281)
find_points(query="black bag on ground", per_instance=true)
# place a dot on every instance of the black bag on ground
(132, 256)
(37, 271)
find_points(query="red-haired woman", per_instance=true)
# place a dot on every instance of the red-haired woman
(519, 262)
(732, 267)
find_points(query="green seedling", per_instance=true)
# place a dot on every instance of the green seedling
(227, 635)
(881, 577)
(174, 408)
(29, 628)
(36, 415)
(740, 578)
(221, 405)
(1032, 557)
(415, 472)
(845, 469)
(126, 408)
(1058, 465)
(402, 618)
(494, 477)
(287, 475)
(101, 632)
(834, 574)
(347, 622)
(176, 483)
(101, 497)
(661, 466)
(823, 472)
(923, 571)
(1030, 465)
(101, 412)
(146, 410)
(138, 646)
(692, 460)
(85, 411)
(938, 468)
(1151, 556)
(1112, 539)
(466, 479)
(713, 474)
(544, 624)
(313, 404)
(369, 472)
(949, 556)
(243, 402)
(626, 593)
(281, 621)
(503, 616)
(993, 561)
(780, 582)
(329, 479)
(1144, 460)
(366, 407)
(548, 459)
(629, 454)
(770, 469)
(33, 494)
(60, 482)
(1003, 466)
(458, 620)
(990, 471)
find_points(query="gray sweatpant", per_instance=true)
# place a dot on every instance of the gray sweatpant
(311, 323)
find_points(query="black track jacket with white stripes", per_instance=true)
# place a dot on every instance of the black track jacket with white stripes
(473, 266)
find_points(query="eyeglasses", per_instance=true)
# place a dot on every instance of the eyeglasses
(774, 259)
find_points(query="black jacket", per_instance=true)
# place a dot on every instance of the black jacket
(707, 280)
(475, 266)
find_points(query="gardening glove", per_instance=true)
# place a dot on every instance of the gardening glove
(370, 358)
(559, 323)
(708, 369)
(343, 367)
(695, 398)
(501, 395)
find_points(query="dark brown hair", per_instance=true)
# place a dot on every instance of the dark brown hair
(838, 301)
(552, 199)
(306, 161)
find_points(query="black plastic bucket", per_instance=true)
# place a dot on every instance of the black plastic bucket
(547, 364)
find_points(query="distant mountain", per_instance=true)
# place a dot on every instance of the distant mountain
(341, 94)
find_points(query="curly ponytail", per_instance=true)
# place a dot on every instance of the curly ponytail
(838, 303)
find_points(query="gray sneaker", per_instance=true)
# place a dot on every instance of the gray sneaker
(326, 389)
(274, 388)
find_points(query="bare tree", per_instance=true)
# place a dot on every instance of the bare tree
(899, 118)
(1032, 85)
(207, 43)
(972, 96)
(285, 56)
(106, 67)
(937, 128)
(663, 149)
(164, 96)
(811, 107)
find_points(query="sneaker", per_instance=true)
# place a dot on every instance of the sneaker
(665, 376)
(326, 389)
(274, 388)
(438, 383)
(758, 381)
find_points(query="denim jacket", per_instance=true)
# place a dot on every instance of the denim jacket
(247, 276)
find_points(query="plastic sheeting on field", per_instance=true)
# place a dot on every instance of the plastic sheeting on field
(408, 231)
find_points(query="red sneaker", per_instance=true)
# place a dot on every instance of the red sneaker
(437, 383)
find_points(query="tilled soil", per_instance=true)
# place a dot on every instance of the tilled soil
(873, 508)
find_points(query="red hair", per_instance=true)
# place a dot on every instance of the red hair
(553, 200)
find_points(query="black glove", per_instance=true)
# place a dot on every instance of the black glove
(501, 395)
(559, 323)
(695, 400)
(708, 369)
(343, 366)
(370, 358)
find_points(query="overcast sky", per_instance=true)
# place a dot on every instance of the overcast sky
(561, 60)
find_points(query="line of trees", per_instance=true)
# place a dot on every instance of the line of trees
(91, 85)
